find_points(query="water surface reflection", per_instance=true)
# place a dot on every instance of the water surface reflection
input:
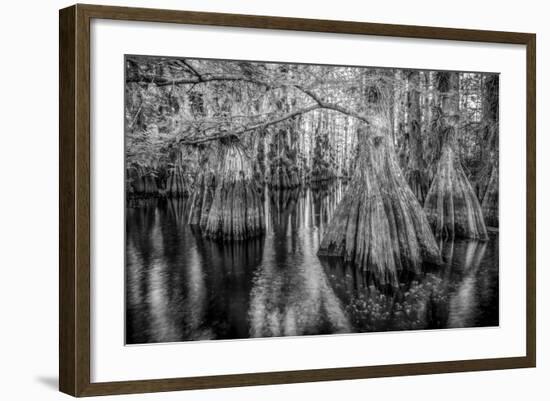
(180, 286)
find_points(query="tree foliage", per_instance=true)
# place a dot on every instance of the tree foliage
(218, 131)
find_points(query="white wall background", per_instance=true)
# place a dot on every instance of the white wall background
(29, 185)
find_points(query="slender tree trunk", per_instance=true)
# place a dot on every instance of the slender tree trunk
(415, 170)
(432, 142)
(177, 185)
(141, 181)
(451, 204)
(489, 203)
(202, 194)
(283, 172)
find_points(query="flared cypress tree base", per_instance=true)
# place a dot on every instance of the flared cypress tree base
(228, 205)
(176, 184)
(451, 206)
(379, 225)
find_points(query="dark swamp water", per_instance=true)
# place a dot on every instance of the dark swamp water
(180, 286)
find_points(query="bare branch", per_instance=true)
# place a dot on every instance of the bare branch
(186, 64)
(332, 106)
(136, 115)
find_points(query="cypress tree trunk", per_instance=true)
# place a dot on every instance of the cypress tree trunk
(259, 166)
(284, 174)
(202, 193)
(321, 167)
(451, 204)
(201, 199)
(283, 170)
(379, 225)
(177, 185)
(415, 170)
(236, 211)
(489, 203)
(141, 181)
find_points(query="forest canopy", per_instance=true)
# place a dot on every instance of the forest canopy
(419, 149)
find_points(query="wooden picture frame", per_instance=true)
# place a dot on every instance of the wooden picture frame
(74, 199)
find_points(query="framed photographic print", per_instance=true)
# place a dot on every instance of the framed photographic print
(250, 200)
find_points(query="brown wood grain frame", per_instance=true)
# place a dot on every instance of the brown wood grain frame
(74, 199)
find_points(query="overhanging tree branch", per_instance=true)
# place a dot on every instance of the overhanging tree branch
(204, 78)
(159, 81)
(331, 106)
(199, 78)
(320, 104)
(238, 133)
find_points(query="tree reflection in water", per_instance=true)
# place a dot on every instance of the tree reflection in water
(180, 286)
(165, 285)
(291, 294)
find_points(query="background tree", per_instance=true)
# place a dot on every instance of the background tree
(451, 204)
(415, 169)
(489, 192)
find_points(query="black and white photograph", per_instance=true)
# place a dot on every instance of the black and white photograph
(272, 199)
